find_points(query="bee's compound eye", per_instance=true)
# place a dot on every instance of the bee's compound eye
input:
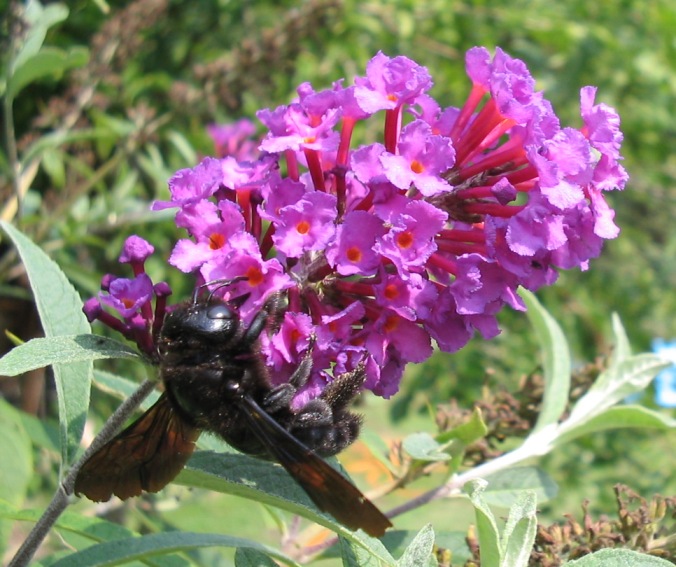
(220, 312)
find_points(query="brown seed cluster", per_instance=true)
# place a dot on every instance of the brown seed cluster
(245, 69)
(646, 527)
(510, 415)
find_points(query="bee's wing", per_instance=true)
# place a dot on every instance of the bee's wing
(147, 455)
(327, 488)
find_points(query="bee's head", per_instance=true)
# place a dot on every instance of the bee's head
(207, 321)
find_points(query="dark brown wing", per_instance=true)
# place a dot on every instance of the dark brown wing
(147, 455)
(327, 488)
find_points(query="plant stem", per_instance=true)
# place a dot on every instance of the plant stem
(535, 446)
(8, 131)
(64, 492)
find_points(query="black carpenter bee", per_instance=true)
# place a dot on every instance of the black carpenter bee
(215, 381)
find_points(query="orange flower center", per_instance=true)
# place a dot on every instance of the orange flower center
(216, 241)
(254, 276)
(417, 167)
(391, 292)
(303, 227)
(405, 239)
(391, 323)
(353, 254)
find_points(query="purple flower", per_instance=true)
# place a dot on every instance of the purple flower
(211, 228)
(367, 165)
(389, 83)
(188, 186)
(127, 296)
(446, 326)
(306, 225)
(483, 287)
(374, 251)
(234, 139)
(302, 130)
(352, 251)
(411, 239)
(423, 158)
(409, 299)
(602, 129)
(290, 343)
(335, 329)
(263, 278)
(135, 249)
(131, 299)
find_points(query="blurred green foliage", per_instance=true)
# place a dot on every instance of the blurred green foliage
(160, 70)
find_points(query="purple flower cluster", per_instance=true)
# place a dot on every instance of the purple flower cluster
(379, 249)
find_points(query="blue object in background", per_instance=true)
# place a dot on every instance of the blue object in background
(665, 381)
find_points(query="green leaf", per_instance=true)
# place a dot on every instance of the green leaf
(468, 432)
(90, 528)
(350, 554)
(17, 464)
(621, 347)
(37, 353)
(487, 529)
(506, 487)
(423, 447)
(618, 558)
(353, 555)
(48, 62)
(269, 484)
(60, 310)
(246, 557)
(419, 552)
(53, 162)
(43, 433)
(619, 417)
(556, 361)
(396, 541)
(184, 147)
(519, 534)
(58, 138)
(39, 20)
(121, 387)
(137, 548)
(620, 380)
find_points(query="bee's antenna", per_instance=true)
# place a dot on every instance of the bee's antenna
(221, 283)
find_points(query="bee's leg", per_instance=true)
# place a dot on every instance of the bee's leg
(313, 426)
(339, 393)
(302, 373)
(275, 308)
(256, 328)
(324, 431)
(324, 424)
(270, 315)
(278, 398)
